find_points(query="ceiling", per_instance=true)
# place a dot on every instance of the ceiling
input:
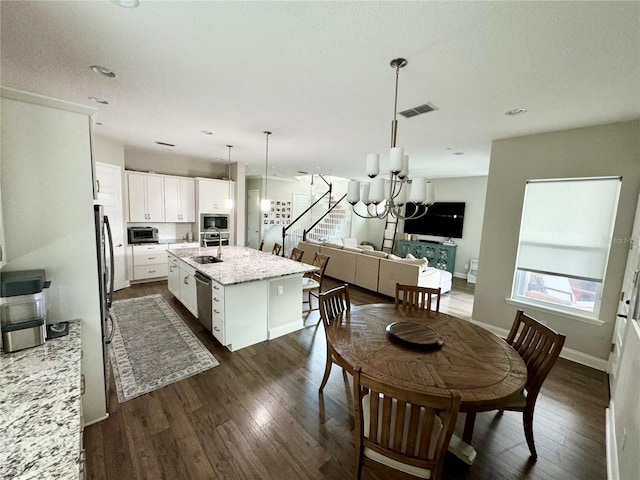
(317, 75)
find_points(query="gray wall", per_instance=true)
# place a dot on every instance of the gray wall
(605, 150)
(472, 191)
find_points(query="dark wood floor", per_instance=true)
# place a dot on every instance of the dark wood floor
(259, 416)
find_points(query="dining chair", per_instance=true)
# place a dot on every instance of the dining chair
(312, 282)
(331, 304)
(296, 254)
(276, 249)
(539, 346)
(261, 245)
(408, 431)
(412, 296)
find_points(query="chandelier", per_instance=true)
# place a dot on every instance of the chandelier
(401, 189)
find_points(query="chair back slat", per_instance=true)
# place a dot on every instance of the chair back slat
(414, 297)
(332, 303)
(538, 345)
(296, 254)
(403, 425)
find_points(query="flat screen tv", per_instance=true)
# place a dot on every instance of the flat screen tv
(443, 219)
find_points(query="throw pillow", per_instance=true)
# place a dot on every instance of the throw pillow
(350, 242)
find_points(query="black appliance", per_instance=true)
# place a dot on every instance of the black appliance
(142, 235)
(104, 243)
(211, 220)
(443, 219)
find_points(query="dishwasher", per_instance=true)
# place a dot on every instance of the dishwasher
(203, 290)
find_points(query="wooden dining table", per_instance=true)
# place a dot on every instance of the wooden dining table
(482, 367)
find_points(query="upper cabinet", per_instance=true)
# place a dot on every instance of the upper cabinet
(213, 194)
(146, 197)
(179, 199)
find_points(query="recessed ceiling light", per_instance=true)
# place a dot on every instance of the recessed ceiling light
(107, 72)
(515, 111)
(126, 3)
(207, 132)
(99, 100)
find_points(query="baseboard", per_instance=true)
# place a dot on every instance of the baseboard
(567, 353)
(612, 446)
(285, 329)
(88, 424)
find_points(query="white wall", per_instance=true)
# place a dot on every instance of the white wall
(47, 198)
(604, 150)
(171, 163)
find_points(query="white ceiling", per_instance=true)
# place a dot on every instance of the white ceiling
(317, 75)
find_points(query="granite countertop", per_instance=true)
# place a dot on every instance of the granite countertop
(40, 409)
(165, 242)
(242, 264)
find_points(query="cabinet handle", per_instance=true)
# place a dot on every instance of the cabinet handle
(215, 311)
(171, 267)
(215, 299)
(152, 271)
(82, 384)
(216, 287)
(216, 329)
(98, 185)
(151, 258)
(185, 280)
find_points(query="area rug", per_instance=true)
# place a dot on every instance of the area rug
(152, 347)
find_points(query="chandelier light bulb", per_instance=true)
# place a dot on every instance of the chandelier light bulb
(373, 165)
(395, 160)
(353, 192)
(418, 192)
(364, 196)
(376, 193)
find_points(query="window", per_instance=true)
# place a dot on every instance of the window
(565, 238)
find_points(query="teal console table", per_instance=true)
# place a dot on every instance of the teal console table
(439, 255)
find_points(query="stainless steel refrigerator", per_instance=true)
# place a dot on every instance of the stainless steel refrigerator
(105, 275)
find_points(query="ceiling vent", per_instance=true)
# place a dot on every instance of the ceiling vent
(412, 112)
(166, 144)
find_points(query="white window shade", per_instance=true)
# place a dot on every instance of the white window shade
(567, 226)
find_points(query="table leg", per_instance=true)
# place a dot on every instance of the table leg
(469, 423)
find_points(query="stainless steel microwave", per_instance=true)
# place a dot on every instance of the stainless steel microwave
(210, 220)
(142, 235)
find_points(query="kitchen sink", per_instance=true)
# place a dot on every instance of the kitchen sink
(206, 259)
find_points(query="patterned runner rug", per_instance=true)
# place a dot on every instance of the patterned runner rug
(152, 347)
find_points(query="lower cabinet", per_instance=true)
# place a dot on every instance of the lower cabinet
(439, 255)
(182, 284)
(149, 261)
(240, 313)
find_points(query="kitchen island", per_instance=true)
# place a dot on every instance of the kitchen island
(255, 296)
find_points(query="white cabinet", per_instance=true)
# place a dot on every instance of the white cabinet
(182, 283)
(212, 195)
(236, 322)
(146, 197)
(179, 200)
(149, 261)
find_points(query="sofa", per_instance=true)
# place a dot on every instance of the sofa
(374, 270)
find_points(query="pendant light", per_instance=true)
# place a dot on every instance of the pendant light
(401, 189)
(265, 204)
(228, 203)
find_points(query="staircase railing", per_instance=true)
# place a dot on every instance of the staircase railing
(304, 232)
(299, 217)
